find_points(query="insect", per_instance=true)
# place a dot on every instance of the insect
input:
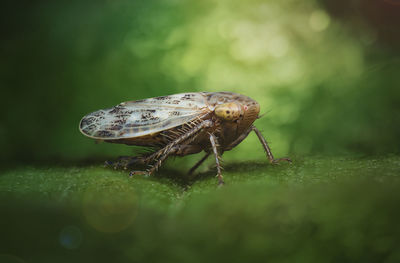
(177, 125)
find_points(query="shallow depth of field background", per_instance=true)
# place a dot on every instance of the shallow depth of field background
(326, 74)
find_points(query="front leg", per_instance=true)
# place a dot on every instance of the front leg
(214, 145)
(267, 149)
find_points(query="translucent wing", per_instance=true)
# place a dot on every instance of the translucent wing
(143, 117)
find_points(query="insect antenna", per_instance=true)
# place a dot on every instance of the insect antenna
(262, 115)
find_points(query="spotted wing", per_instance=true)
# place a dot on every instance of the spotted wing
(143, 117)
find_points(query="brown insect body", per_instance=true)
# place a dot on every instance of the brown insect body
(225, 130)
(213, 122)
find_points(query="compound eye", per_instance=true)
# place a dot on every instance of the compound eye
(228, 111)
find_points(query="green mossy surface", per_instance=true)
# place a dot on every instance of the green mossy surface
(317, 209)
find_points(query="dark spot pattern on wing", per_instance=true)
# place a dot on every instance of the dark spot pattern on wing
(120, 121)
(174, 113)
(188, 96)
(116, 110)
(98, 113)
(197, 100)
(104, 134)
(148, 116)
(88, 121)
(91, 128)
(161, 98)
(115, 127)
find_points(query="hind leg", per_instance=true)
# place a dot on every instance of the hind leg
(125, 162)
(173, 147)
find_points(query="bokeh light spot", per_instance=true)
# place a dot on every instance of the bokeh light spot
(110, 206)
(278, 46)
(70, 237)
(319, 20)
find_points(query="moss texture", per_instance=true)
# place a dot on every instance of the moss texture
(316, 209)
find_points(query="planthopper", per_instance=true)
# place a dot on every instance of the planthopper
(177, 125)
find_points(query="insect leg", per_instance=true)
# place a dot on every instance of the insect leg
(266, 147)
(162, 158)
(157, 164)
(198, 164)
(214, 144)
(171, 148)
(189, 136)
(127, 161)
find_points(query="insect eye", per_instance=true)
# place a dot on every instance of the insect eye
(228, 111)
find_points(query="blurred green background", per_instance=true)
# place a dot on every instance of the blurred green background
(326, 74)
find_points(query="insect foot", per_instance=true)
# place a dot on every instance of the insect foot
(125, 162)
(267, 150)
(284, 159)
(132, 173)
(115, 165)
(220, 181)
(108, 163)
